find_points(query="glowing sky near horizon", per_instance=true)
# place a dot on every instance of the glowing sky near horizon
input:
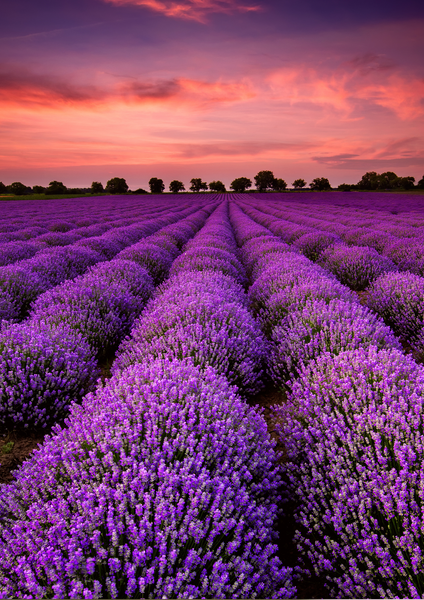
(216, 89)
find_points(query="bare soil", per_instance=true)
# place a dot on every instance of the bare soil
(310, 586)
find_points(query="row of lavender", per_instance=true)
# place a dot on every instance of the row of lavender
(164, 483)
(21, 283)
(51, 359)
(398, 297)
(352, 426)
(23, 239)
(400, 244)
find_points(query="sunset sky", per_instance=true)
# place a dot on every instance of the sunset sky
(218, 89)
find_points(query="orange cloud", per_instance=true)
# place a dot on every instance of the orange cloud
(20, 87)
(367, 79)
(195, 10)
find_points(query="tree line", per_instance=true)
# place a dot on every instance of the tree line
(264, 181)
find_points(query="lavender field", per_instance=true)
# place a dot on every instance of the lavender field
(226, 391)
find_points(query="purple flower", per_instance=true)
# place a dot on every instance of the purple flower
(353, 429)
(164, 484)
(41, 372)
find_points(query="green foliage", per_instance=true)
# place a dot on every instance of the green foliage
(56, 187)
(197, 185)
(320, 184)
(38, 189)
(17, 188)
(7, 448)
(279, 185)
(264, 180)
(176, 186)
(117, 185)
(217, 186)
(299, 183)
(241, 184)
(156, 185)
(96, 187)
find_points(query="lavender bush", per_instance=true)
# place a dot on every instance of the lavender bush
(354, 431)
(319, 327)
(210, 330)
(164, 484)
(103, 312)
(295, 294)
(41, 372)
(356, 266)
(399, 299)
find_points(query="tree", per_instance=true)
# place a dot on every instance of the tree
(140, 191)
(217, 186)
(407, 183)
(56, 187)
(198, 184)
(176, 186)
(117, 185)
(320, 184)
(369, 181)
(388, 181)
(156, 185)
(420, 184)
(38, 189)
(264, 180)
(17, 188)
(96, 187)
(278, 185)
(299, 184)
(3, 188)
(241, 184)
(345, 187)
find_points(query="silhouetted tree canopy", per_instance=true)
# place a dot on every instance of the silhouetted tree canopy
(97, 187)
(264, 180)
(420, 184)
(299, 183)
(156, 185)
(117, 185)
(17, 188)
(38, 189)
(3, 188)
(197, 185)
(56, 187)
(217, 186)
(345, 187)
(241, 184)
(385, 181)
(279, 185)
(176, 186)
(140, 191)
(320, 184)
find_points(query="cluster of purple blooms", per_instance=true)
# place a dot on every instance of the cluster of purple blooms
(354, 431)
(399, 299)
(40, 373)
(164, 483)
(201, 313)
(352, 428)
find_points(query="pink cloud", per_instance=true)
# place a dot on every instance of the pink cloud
(195, 10)
(21, 87)
(368, 78)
